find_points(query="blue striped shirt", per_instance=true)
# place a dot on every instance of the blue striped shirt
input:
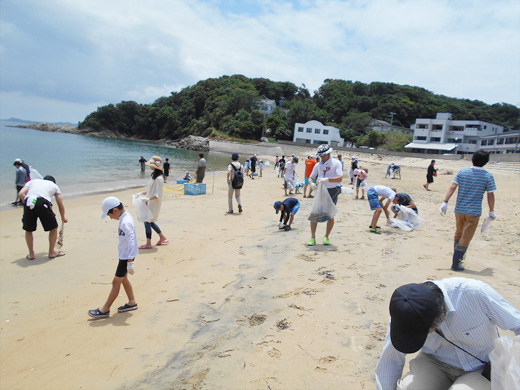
(473, 182)
(475, 309)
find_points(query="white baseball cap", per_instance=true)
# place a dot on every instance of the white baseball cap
(108, 204)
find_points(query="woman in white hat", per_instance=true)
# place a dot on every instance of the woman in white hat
(154, 190)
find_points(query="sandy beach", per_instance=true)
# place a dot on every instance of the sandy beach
(233, 302)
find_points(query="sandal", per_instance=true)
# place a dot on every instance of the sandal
(58, 254)
(96, 313)
(146, 247)
(163, 242)
(126, 307)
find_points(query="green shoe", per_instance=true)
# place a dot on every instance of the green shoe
(375, 231)
(312, 242)
(326, 241)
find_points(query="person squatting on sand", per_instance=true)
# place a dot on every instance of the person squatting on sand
(453, 323)
(373, 195)
(128, 251)
(329, 172)
(234, 167)
(289, 207)
(36, 196)
(472, 183)
(405, 200)
(154, 191)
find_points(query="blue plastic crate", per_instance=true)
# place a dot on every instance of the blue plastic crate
(182, 181)
(195, 189)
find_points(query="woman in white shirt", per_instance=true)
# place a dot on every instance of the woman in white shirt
(154, 190)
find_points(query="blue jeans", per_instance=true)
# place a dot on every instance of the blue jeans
(148, 226)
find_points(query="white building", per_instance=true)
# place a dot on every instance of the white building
(444, 135)
(267, 106)
(314, 132)
(501, 143)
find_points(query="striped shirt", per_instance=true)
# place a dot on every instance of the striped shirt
(475, 309)
(473, 182)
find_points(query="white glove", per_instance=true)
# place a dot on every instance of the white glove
(314, 186)
(388, 221)
(323, 180)
(144, 199)
(281, 225)
(444, 208)
(130, 267)
(492, 215)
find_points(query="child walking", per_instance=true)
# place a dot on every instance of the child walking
(113, 207)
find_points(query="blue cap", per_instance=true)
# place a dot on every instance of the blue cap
(277, 206)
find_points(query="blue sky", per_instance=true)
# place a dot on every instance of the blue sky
(61, 59)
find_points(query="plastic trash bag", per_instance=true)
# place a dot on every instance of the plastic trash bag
(323, 208)
(485, 225)
(407, 219)
(365, 185)
(346, 190)
(505, 364)
(141, 208)
(35, 174)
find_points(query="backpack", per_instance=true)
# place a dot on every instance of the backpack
(238, 179)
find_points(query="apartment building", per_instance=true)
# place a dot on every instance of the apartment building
(445, 135)
(504, 143)
(315, 132)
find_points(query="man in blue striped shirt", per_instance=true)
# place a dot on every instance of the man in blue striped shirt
(472, 183)
(441, 319)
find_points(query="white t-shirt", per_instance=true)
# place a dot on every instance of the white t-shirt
(290, 169)
(237, 165)
(155, 188)
(39, 188)
(388, 193)
(128, 248)
(330, 168)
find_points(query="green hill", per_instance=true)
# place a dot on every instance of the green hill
(230, 106)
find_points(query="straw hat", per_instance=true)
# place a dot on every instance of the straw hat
(155, 162)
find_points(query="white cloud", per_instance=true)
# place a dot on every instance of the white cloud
(120, 50)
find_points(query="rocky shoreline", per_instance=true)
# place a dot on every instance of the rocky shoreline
(190, 142)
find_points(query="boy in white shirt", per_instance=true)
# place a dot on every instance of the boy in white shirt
(373, 195)
(128, 250)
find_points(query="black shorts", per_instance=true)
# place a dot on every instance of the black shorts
(334, 193)
(122, 268)
(43, 211)
(429, 179)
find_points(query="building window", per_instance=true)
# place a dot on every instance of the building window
(317, 131)
(325, 132)
(300, 129)
(473, 127)
(456, 128)
(483, 142)
(512, 140)
(420, 138)
(422, 126)
(309, 130)
(491, 142)
(500, 141)
(437, 128)
(472, 141)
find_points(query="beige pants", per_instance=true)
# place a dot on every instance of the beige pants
(427, 373)
(231, 190)
(465, 228)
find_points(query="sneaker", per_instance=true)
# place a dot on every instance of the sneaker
(356, 197)
(326, 241)
(286, 228)
(130, 267)
(375, 231)
(377, 227)
(362, 197)
(229, 212)
(312, 242)
(239, 208)
(126, 307)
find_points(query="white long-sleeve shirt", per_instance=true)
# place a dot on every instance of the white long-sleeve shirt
(475, 310)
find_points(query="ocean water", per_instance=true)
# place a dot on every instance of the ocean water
(85, 165)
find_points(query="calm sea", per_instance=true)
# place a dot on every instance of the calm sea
(84, 165)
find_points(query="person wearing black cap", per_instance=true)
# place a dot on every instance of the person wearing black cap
(430, 174)
(289, 207)
(453, 323)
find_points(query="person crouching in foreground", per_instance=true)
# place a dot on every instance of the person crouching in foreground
(453, 323)
(289, 207)
(113, 207)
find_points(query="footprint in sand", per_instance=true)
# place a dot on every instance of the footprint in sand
(257, 319)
